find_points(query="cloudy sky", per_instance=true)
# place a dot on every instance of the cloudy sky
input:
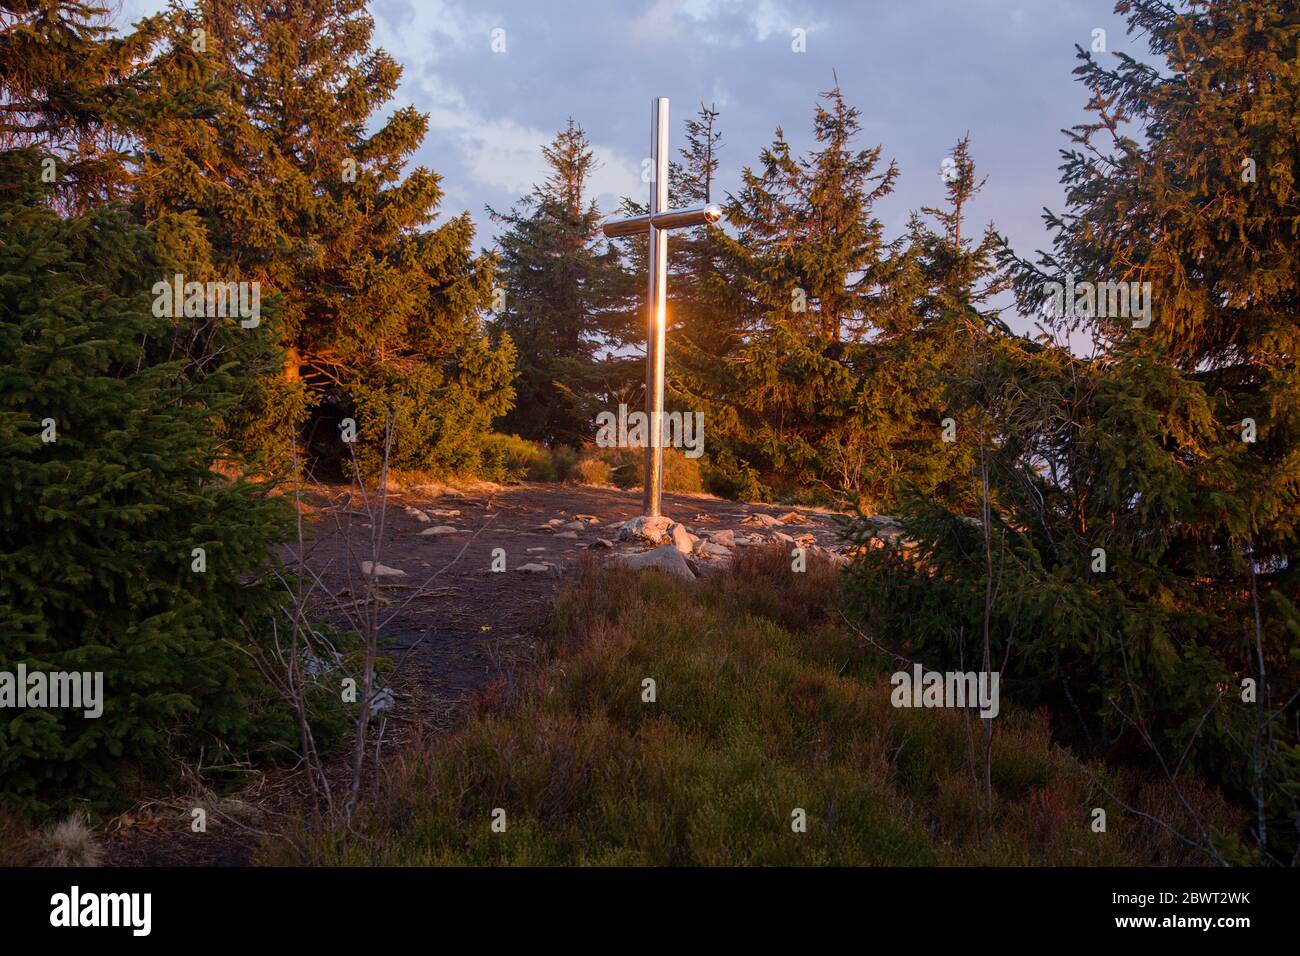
(923, 73)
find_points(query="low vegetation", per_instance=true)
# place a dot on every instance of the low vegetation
(765, 702)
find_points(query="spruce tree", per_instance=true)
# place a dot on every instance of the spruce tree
(933, 331)
(709, 317)
(808, 259)
(1145, 530)
(71, 89)
(1205, 211)
(121, 551)
(380, 306)
(568, 301)
(704, 315)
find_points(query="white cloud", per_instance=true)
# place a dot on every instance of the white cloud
(505, 154)
(420, 31)
(762, 19)
(769, 18)
(657, 21)
(498, 151)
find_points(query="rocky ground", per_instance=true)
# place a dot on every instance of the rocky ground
(467, 574)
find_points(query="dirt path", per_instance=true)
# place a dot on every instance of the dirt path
(454, 624)
(454, 627)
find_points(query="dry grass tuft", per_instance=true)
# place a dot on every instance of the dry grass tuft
(70, 842)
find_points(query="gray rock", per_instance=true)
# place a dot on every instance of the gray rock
(641, 528)
(665, 558)
(566, 534)
(532, 568)
(760, 521)
(416, 513)
(370, 569)
(601, 543)
(725, 539)
(572, 526)
(682, 539)
(711, 549)
(440, 529)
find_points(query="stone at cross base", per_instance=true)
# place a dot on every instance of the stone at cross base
(657, 529)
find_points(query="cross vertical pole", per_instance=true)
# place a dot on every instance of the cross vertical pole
(658, 263)
(658, 221)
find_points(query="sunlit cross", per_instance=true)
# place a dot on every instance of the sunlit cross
(658, 221)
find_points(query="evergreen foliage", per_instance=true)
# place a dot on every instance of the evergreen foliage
(1140, 568)
(109, 413)
(381, 304)
(568, 302)
(807, 261)
(932, 332)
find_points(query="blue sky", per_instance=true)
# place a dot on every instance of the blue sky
(923, 73)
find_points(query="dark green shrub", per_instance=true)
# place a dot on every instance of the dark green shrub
(100, 525)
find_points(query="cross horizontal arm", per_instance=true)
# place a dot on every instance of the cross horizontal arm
(668, 219)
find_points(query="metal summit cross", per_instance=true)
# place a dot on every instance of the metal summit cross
(658, 221)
